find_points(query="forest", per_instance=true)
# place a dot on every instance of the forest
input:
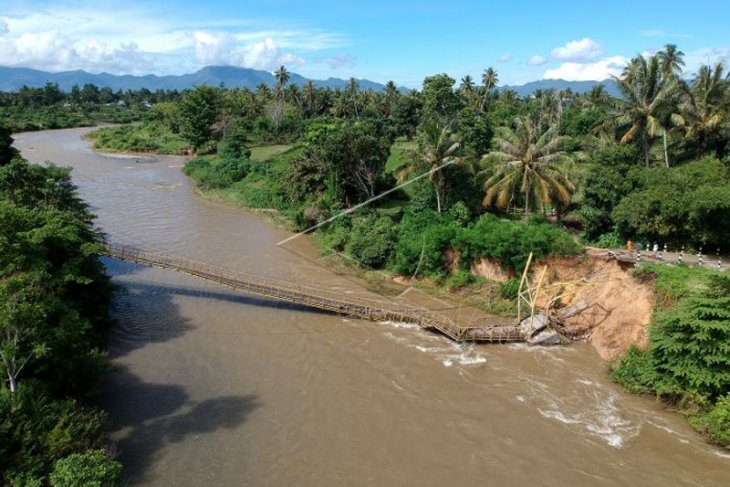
(54, 296)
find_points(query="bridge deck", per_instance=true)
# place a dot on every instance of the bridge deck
(321, 299)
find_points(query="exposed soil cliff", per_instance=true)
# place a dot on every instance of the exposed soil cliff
(614, 309)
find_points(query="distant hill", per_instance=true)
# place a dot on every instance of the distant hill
(12, 79)
(560, 84)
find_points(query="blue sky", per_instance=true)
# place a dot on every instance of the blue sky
(380, 40)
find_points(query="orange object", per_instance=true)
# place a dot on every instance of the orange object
(629, 245)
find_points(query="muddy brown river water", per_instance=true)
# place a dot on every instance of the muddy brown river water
(215, 387)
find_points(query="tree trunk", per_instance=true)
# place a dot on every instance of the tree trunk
(666, 153)
(13, 386)
(646, 150)
(527, 197)
(438, 195)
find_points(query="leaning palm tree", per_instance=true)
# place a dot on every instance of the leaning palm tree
(646, 97)
(438, 148)
(525, 163)
(702, 115)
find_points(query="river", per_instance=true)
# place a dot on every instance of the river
(215, 387)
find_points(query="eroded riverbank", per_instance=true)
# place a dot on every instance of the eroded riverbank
(215, 387)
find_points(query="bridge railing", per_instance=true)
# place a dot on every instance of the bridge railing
(287, 290)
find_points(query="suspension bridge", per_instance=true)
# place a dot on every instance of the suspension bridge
(490, 329)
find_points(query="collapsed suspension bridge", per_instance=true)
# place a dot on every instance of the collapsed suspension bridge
(355, 307)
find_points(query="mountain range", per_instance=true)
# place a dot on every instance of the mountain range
(12, 79)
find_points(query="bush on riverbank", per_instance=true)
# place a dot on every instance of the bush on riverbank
(53, 313)
(687, 362)
(150, 136)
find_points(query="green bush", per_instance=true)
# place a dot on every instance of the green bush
(634, 371)
(459, 279)
(36, 430)
(509, 289)
(715, 424)
(610, 240)
(90, 469)
(371, 240)
(510, 243)
(217, 173)
(688, 358)
(424, 236)
(150, 136)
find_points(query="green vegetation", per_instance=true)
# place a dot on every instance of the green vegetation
(148, 137)
(687, 362)
(50, 108)
(53, 313)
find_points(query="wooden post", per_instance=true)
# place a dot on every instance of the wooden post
(519, 292)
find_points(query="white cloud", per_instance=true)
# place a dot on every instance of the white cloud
(536, 60)
(266, 55)
(596, 71)
(61, 38)
(578, 50)
(223, 48)
(504, 58)
(55, 52)
(213, 47)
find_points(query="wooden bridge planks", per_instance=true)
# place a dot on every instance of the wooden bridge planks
(316, 298)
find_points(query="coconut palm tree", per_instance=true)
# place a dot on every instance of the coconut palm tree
(490, 78)
(646, 97)
(282, 78)
(525, 162)
(467, 85)
(438, 146)
(309, 97)
(671, 60)
(702, 112)
(596, 98)
(391, 90)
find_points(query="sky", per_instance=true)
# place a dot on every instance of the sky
(380, 40)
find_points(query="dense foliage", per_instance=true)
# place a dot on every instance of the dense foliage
(53, 301)
(50, 108)
(688, 359)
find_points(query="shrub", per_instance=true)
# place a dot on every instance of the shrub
(459, 279)
(715, 424)
(217, 174)
(509, 289)
(610, 240)
(688, 358)
(90, 469)
(371, 240)
(634, 371)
